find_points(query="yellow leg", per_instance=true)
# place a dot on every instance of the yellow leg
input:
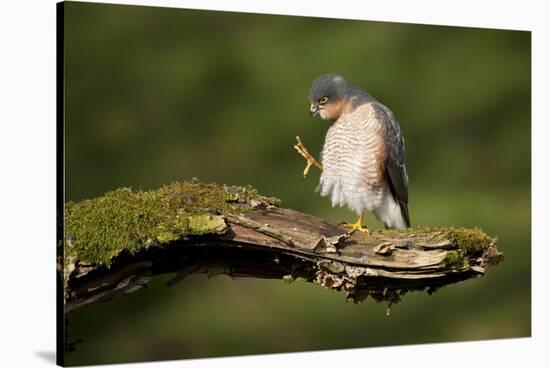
(357, 226)
(302, 150)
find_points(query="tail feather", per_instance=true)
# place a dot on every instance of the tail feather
(392, 213)
(404, 212)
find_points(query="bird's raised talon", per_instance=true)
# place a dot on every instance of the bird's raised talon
(302, 150)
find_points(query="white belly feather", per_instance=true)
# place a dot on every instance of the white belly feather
(351, 160)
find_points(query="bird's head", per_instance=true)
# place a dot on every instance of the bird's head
(328, 96)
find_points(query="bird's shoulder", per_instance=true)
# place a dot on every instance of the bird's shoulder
(358, 109)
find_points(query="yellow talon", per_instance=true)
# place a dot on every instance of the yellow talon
(357, 226)
(302, 150)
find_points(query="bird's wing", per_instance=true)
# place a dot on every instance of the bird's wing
(394, 165)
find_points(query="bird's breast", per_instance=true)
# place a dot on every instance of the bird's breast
(352, 158)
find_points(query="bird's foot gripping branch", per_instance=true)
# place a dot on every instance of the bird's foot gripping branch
(116, 243)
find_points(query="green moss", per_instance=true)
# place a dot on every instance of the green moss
(470, 241)
(205, 224)
(98, 229)
(454, 259)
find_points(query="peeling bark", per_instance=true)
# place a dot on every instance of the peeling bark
(277, 243)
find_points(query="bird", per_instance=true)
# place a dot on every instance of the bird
(363, 156)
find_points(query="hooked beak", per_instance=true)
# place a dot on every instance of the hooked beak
(313, 109)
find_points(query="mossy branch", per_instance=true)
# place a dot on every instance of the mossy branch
(116, 243)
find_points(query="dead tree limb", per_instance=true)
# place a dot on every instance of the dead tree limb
(116, 243)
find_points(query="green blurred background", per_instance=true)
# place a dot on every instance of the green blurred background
(155, 95)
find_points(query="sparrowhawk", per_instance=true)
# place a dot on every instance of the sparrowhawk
(363, 157)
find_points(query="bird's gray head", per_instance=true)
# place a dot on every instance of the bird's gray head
(328, 96)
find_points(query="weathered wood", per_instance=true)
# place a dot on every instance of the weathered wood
(265, 241)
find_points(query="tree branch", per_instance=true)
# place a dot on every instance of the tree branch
(247, 235)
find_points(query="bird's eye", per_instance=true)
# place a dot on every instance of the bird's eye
(323, 100)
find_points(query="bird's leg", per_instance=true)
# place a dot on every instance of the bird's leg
(302, 150)
(357, 226)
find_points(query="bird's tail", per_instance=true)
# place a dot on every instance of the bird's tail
(393, 213)
(404, 212)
